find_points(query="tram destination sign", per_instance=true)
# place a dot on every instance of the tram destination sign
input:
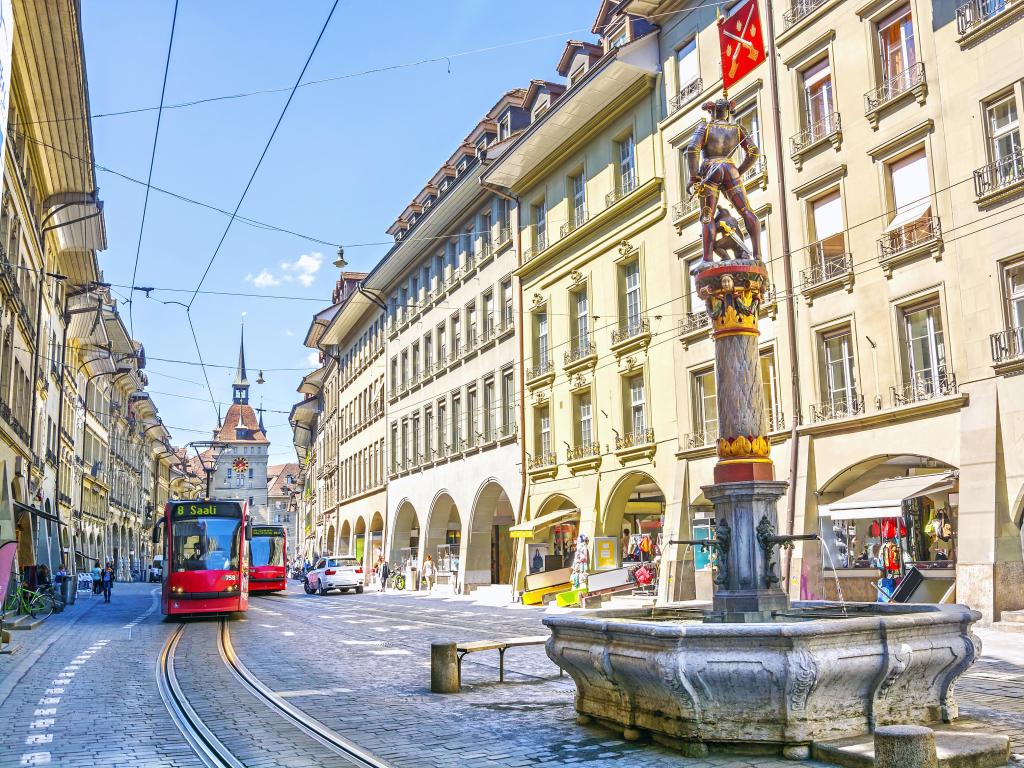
(208, 509)
(264, 531)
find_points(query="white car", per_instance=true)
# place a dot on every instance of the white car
(341, 573)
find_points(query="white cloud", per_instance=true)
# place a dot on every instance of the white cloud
(314, 359)
(289, 332)
(302, 270)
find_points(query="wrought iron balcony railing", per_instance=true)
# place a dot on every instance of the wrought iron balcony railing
(776, 420)
(580, 349)
(578, 219)
(635, 438)
(693, 322)
(973, 13)
(799, 10)
(626, 184)
(755, 170)
(686, 94)
(924, 386)
(698, 440)
(504, 236)
(684, 207)
(1007, 345)
(894, 86)
(542, 460)
(631, 328)
(840, 408)
(829, 260)
(583, 451)
(543, 367)
(815, 132)
(908, 236)
(1004, 172)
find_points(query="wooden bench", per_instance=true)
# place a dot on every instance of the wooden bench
(472, 646)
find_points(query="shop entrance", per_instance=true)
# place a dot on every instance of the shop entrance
(405, 543)
(444, 540)
(489, 552)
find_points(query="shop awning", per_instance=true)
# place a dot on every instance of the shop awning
(885, 498)
(26, 509)
(527, 529)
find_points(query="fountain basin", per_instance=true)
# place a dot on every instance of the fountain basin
(798, 679)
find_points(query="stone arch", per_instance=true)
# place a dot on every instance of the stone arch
(345, 539)
(443, 538)
(406, 530)
(375, 538)
(359, 539)
(330, 541)
(552, 542)
(637, 504)
(488, 549)
(869, 470)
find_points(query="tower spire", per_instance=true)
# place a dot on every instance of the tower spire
(241, 386)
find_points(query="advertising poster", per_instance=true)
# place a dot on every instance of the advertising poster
(606, 555)
(535, 554)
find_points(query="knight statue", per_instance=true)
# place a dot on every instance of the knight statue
(712, 173)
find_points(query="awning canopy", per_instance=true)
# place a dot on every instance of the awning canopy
(909, 215)
(885, 498)
(530, 527)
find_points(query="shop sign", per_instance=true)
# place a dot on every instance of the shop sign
(606, 554)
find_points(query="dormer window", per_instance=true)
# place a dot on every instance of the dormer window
(539, 110)
(461, 167)
(412, 219)
(577, 74)
(428, 202)
(619, 38)
(444, 185)
(504, 126)
(398, 235)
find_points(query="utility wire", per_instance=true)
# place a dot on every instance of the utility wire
(202, 365)
(263, 154)
(152, 160)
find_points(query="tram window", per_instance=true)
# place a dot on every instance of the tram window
(209, 544)
(266, 550)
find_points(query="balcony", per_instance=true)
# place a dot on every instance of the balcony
(924, 386)
(542, 465)
(909, 241)
(831, 267)
(540, 244)
(909, 81)
(541, 373)
(582, 457)
(636, 444)
(578, 219)
(686, 94)
(975, 16)
(1008, 350)
(696, 440)
(828, 128)
(684, 210)
(800, 10)
(759, 170)
(840, 408)
(776, 420)
(1000, 179)
(509, 429)
(631, 334)
(582, 354)
(693, 325)
(626, 184)
(504, 238)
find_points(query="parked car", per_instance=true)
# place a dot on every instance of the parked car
(156, 570)
(341, 573)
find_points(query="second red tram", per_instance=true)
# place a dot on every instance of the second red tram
(206, 564)
(268, 556)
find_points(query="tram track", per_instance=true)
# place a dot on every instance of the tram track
(210, 749)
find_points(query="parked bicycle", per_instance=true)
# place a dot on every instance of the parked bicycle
(398, 580)
(38, 604)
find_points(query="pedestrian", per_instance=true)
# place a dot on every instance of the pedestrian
(96, 571)
(383, 571)
(42, 576)
(429, 572)
(107, 581)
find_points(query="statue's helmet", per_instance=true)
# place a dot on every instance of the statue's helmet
(721, 108)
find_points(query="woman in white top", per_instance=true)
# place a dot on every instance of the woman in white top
(429, 572)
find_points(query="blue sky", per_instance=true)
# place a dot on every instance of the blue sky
(348, 157)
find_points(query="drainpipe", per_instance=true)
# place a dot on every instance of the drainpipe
(501, 192)
(787, 259)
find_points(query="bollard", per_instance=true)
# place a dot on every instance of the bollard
(905, 746)
(444, 668)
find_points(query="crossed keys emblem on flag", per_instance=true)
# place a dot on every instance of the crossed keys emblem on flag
(744, 36)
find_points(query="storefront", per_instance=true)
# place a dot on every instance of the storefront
(893, 540)
(550, 549)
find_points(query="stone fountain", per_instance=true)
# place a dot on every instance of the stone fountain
(756, 670)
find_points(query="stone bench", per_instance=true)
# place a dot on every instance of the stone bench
(473, 646)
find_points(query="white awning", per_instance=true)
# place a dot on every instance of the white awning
(909, 215)
(527, 529)
(885, 498)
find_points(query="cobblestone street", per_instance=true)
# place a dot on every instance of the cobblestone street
(360, 665)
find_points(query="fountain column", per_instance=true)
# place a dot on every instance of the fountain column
(745, 492)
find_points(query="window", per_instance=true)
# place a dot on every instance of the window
(456, 335)
(415, 361)
(456, 422)
(581, 321)
(488, 303)
(1015, 294)
(705, 405)
(405, 369)
(632, 297)
(620, 38)
(442, 440)
(838, 381)
(827, 219)
(428, 433)
(578, 191)
(748, 120)
(471, 325)
(770, 385)
(489, 410)
(911, 201)
(540, 321)
(428, 355)
(896, 45)
(504, 127)
(924, 351)
(637, 415)
(504, 220)
(544, 431)
(485, 232)
(473, 412)
(394, 447)
(818, 99)
(577, 74)
(584, 420)
(695, 303)
(506, 299)
(508, 402)
(687, 65)
(440, 348)
(1004, 133)
(416, 438)
(405, 444)
(540, 226)
(627, 164)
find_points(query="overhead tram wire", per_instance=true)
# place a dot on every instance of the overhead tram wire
(152, 160)
(263, 154)
(202, 365)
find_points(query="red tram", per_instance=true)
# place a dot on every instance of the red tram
(268, 554)
(206, 568)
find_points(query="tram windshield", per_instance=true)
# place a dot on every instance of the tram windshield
(206, 544)
(266, 550)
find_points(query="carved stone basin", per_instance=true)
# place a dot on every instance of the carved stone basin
(799, 679)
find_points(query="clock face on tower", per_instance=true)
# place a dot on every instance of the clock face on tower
(240, 465)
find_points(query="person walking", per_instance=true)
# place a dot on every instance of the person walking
(429, 572)
(96, 572)
(107, 582)
(383, 571)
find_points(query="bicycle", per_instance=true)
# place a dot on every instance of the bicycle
(37, 604)
(398, 581)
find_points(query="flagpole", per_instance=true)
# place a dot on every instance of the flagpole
(787, 267)
(720, 20)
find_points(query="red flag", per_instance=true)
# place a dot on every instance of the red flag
(739, 36)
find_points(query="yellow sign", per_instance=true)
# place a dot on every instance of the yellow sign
(606, 556)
